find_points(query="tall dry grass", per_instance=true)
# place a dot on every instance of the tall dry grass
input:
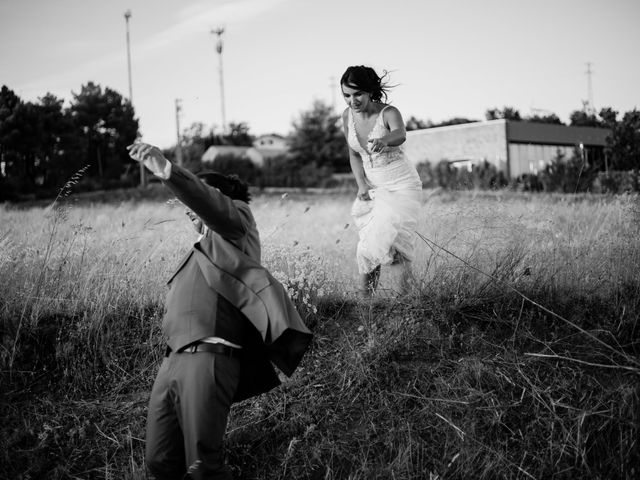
(515, 355)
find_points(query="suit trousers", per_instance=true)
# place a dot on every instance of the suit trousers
(187, 416)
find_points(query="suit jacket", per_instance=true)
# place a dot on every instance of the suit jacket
(226, 263)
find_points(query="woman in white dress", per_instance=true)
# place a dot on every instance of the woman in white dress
(389, 196)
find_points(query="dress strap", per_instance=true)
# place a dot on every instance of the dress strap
(380, 115)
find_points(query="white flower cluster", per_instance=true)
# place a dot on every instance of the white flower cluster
(301, 273)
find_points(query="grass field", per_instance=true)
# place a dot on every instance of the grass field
(516, 354)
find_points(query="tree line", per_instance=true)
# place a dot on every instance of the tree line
(43, 143)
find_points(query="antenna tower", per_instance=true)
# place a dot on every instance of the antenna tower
(589, 107)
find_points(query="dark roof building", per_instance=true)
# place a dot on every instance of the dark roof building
(514, 147)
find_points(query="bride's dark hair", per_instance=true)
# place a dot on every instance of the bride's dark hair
(366, 79)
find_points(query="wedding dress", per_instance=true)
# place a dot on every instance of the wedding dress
(386, 224)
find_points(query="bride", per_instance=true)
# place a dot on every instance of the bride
(389, 196)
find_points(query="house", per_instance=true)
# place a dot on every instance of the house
(215, 151)
(264, 147)
(268, 146)
(514, 147)
(271, 142)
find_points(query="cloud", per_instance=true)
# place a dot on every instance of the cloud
(202, 16)
(193, 20)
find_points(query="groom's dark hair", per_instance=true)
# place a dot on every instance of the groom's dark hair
(229, 185)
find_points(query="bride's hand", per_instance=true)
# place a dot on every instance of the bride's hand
(363, 194)
(376, 145)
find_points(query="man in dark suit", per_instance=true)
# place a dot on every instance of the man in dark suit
(226, 319)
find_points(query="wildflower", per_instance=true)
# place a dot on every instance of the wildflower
(301, 274)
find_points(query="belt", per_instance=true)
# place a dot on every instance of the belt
(218, 348)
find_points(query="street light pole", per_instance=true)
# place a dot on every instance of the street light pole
(127, 16)
(219, 31)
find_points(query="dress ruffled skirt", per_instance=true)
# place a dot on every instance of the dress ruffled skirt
(387, 223)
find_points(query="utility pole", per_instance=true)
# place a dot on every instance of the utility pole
(178, 144)
(127, 16)
(219, 31)
(591, 108)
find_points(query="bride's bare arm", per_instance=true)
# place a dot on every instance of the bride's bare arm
(397, 132)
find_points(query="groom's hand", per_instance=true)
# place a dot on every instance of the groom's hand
(149, 155)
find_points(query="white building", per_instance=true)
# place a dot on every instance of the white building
(264, 147)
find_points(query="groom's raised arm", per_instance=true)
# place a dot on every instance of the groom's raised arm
(229, 218)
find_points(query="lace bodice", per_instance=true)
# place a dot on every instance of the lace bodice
(369, 159)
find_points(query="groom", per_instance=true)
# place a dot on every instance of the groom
(226, 319)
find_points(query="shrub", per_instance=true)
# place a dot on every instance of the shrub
(483, 175)
(617, 182)
(445, 174)
(426, 175)
(240, 166)
(567, 175)
(9, 189)
(285, 171)
(527, 182)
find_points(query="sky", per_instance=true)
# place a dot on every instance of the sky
(453, 58)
